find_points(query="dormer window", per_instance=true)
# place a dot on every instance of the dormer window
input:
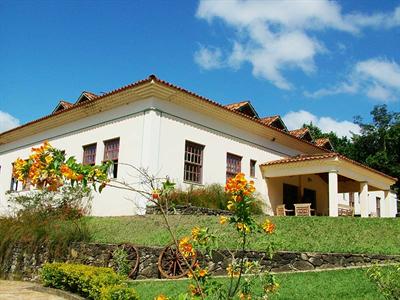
(244, 107)
(86, 96)
(62, 105)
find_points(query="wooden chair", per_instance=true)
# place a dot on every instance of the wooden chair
(302, 209)
(281, 210)
(345, 210)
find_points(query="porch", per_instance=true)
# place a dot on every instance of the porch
(321, 179)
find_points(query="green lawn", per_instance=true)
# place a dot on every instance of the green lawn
(323, 234)
(343, 284)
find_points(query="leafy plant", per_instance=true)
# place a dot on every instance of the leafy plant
(95, 283)
(120, 258)
(387, 280)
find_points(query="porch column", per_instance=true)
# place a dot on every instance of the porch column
(387, 205)
(364, 199)
(333, 194)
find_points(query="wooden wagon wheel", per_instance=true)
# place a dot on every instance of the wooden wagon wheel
(171, 263)
(132, 258)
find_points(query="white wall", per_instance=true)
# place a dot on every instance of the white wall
(125, 122)
(388, 208)
(178, 124)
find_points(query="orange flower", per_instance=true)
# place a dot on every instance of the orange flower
(202, 272)
(155, 195)
(186, 248)
(268, 226)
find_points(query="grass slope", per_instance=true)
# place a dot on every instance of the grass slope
(322, 234)
(343, 284)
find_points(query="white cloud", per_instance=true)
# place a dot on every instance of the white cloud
(274, 36)
(208, 58)
(377, 78)
(7, 121)
(296, 119)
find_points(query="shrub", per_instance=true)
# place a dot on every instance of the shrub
(211, 196)
(70, 202)
(45, 218)
(87, 281)
(387, 279)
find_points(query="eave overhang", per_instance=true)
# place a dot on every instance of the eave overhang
(327, 163)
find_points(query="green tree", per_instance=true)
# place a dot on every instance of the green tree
(341, 145)
(378, 144)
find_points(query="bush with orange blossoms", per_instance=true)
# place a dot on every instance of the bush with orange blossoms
(48, 168)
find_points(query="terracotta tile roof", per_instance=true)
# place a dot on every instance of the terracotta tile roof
(269, 120)
(153, 78)
(321, 142)
(237, 105)
(305, 157)
(66, 104)
(299, 132)
(89, 95)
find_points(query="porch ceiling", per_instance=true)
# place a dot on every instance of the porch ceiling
(325, 163)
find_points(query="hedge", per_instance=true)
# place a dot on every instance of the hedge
(94, 283)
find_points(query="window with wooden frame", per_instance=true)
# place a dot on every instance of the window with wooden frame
(233, 165)
(111, 152)
(193, 170)
(253, 168)
(14, 181)
(89, 154)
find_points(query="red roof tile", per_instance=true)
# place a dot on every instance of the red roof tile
(66, 104)
(321, 142)
(299, 132)
(237, 105)
(269, 120)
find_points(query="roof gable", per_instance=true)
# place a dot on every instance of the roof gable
(274, 121)
(324, 143)
(62, 105)
(85, 96)
(244, 107)
(302, 133)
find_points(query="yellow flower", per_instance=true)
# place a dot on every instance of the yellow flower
(48, 159)
(195, 233)
(231, 271)
(223, 220)
(271, 288)
(243, 227)
(268, 226)
(230, 205)
(161, 297)
(244, 296)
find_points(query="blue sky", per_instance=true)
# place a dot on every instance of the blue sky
(319, 61)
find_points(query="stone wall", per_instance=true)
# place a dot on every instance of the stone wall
(22, 265)
(188, 210)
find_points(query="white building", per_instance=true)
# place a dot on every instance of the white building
(196, 141)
